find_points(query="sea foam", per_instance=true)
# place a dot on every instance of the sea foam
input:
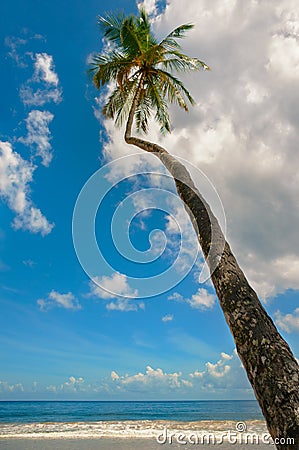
(130, 429)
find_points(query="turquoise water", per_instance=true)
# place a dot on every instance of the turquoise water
(125, 425)
(73, 411)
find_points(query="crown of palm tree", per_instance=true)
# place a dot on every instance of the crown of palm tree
(141, 66)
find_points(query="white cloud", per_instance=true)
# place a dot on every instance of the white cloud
(220, 379)
(114, 376)
(42, 87)
(39, 97)
(217, 370)
(242, 133)
(216, 380)
(149, 6)
(288, 322)
(225, 374)
(201, 300)
(44, 75)
(44, 68)
(151, 377)
(167, 318)
(32, 219)
(72, 385)
(116, 287)
(284, 56)
(55, 299)
(226, 357)
(16, 174)
(111, 287)
(39, 136)
(6, 387)
(124, 305)
(13, 43)
(176, 296)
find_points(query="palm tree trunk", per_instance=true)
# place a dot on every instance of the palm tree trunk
(270, 365)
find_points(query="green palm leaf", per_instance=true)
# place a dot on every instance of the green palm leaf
(143, 70)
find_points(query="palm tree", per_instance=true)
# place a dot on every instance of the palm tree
(142, 71)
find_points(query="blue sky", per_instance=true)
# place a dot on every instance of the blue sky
(63, 336)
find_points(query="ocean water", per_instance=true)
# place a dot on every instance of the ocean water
(89, 411)
(124, 425)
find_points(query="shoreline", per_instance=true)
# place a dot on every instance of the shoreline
(128, 429)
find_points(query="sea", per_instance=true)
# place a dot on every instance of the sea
(125, 425)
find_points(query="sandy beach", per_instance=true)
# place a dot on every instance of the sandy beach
(131, 435)
(108, 444)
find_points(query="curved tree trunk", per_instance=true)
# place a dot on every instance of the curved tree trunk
(270, 365)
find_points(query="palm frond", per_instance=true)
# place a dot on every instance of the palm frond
(128, 97)
(143, 114)
(114, 104)
(137, 57)
(108, 67)
(177, 84)
(180, 31)
(130, 39)
(136, 36)
(170, 43)
(158, 103)
(111, 26)
(182, 63)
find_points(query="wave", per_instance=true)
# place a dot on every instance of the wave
(129, 429)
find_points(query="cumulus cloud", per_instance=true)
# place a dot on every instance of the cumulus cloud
(242, 133)
(226, 374)
(217, 378)
(176, 296)
(201, 300)
(115, 287)
(16, 174)
(217, 370)
(41, 88)
(72, 385)
(55, 299)
(13, 43)
(151, 377)
(288, 322)
(124, 305)
(149, 6)
(6, 387)
(111, 287)
(44, 76)
(284, 56)
(38, 134)
(39, 97)
(44, 68)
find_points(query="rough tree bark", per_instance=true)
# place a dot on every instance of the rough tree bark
(270, 365)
